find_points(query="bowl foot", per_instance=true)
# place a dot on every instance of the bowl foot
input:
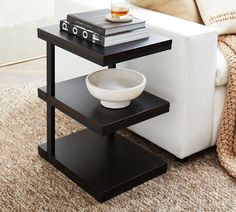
(115, 105)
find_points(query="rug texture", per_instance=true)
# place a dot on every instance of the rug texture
(29, 183)
(226, 142)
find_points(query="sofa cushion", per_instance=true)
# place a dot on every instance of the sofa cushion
(221, 69)
(185, 9)
(219, 14)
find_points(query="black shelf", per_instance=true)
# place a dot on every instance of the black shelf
(104, 56)
(103, 166)
(72, 98)
(100, 161)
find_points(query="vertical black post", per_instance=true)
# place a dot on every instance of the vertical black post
(112, 65)
(50, 94)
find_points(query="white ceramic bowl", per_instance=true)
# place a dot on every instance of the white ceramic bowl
(115, 87)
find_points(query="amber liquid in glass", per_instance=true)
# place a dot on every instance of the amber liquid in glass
(119, 12)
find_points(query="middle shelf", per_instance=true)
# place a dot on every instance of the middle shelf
(73, 99)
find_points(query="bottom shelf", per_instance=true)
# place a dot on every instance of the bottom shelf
(103, 166)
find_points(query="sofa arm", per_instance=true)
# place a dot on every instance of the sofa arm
(185, 76)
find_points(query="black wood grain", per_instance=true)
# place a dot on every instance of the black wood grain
(104, 56)
(109, 165)
(51, 93)
(103, 166)
(72, 98)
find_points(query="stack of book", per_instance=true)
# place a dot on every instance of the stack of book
(94, 27)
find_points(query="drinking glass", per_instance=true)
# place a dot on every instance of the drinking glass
(119, 8)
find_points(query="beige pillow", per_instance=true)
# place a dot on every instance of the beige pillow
(185, 9)
(220, 14)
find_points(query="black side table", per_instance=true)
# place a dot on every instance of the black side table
(99, 160)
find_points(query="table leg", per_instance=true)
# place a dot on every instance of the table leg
(112, 65)
(50, 94)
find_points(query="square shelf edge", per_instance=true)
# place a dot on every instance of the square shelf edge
(108, 55)
(109, 170)
(73, 98)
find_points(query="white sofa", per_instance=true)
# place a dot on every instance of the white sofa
(187, 76)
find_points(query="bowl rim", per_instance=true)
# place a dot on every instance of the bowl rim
(143, 83)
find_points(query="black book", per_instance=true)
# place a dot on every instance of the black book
(104, 41)
(96, 22)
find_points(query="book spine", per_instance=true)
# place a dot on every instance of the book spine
(86, 25)
(82, 33)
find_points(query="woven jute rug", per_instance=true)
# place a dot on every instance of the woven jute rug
(29, 183)
(226, 143)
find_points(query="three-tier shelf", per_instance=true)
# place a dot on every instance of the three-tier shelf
(98, 159)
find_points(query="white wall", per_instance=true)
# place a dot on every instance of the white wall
(14, 13)
(18, 28)
(19, 20)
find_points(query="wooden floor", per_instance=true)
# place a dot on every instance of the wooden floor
(21, 73)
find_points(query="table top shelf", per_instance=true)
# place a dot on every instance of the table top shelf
(73, 98)
(108, 55)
